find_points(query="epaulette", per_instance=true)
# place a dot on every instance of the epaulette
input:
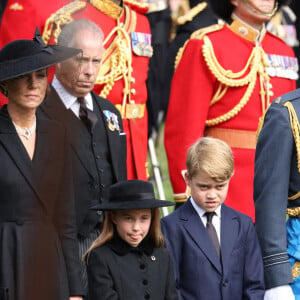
(281, 100)
(192, 13)
(198, 34)
(286, 101)
(288, 97)
(141, 8)
(295, 126)
(61, 17)
(107, 7)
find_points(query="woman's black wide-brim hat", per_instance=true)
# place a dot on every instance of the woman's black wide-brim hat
(131, 194)
(22, 56)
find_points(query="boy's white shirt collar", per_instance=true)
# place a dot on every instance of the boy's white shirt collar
(70, 101)
(216, 220)
(201, 211)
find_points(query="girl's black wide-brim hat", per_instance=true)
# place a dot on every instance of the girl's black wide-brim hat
(131, 194)
(22, 56)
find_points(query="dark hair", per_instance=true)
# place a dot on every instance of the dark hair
(223, 8)
(3, 91)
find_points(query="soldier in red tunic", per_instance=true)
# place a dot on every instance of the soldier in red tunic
(123, 74)
(226, 77)
(20, 18)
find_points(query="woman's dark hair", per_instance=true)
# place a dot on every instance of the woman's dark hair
(3, 91)
(223, 8)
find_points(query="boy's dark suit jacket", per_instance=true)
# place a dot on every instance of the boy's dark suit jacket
(198, 271)
(83, 178)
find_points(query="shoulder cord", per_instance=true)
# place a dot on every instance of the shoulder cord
(192, 13)
(61, 17)
(119, 62)
(227, 78)
(295, 126)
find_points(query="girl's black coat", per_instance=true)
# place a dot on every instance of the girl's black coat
(118, 271)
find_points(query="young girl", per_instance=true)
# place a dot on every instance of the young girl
(128, 260)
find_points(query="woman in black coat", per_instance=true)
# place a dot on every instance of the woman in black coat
(128, 260)
(38, 258)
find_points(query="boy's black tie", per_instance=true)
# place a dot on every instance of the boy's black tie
(212, 231)
(87, 116)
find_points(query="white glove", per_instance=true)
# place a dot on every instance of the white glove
(279, 293)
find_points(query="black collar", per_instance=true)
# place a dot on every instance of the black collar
(120, 247)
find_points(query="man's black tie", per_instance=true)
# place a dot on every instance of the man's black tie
(212, 231)
(87, 116)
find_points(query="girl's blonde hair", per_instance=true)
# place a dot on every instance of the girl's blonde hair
(108, 230)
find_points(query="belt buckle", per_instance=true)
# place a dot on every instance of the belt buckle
(134, 111)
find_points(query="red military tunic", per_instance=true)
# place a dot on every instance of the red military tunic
(20, 19)
(22, 16)
(126, 89)
(235, 114)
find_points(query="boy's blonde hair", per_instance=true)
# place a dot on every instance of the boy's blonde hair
(211, 156)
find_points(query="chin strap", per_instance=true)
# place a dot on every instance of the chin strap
(258, 11)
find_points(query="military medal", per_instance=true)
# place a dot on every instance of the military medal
(112, 120)
(141, 44)
(282, 66)
(110, 125)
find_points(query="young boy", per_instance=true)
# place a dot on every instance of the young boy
(218, 260)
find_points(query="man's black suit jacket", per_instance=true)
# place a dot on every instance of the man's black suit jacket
(83, 179)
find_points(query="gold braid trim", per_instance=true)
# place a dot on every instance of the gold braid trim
(293, 212)
(296, 269)
(261, 122)
(198, 34)
(117, 59)
(108, 7)
(227, 78)
(180, 199)
(219, 94)
(294, 197)
(137, 4)
(178, 56)
(295, 126)
(192, 13)
(61, 17)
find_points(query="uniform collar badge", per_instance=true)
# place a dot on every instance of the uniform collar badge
(16, 6)
(246, 31)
